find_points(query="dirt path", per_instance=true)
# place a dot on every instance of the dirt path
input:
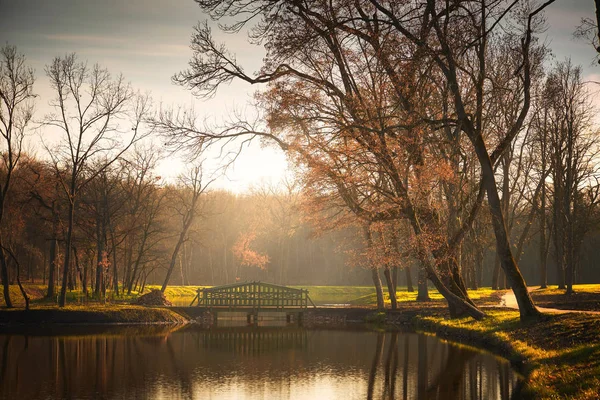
(509, 300)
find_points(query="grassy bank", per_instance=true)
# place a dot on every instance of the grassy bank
(560, 354)
(91, 314)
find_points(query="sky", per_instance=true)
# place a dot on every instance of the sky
(148, 41)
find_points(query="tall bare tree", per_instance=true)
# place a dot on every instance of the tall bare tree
(98, 117)
(16, 110)
(575, 173)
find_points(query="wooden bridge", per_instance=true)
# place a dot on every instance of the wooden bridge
(252, 295)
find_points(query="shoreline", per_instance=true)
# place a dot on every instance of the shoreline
(91, 315)
(557, 355)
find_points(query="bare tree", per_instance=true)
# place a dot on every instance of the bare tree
(187, 206)
(16, 110)
(93, 111)
(144, 204)
(573, 147)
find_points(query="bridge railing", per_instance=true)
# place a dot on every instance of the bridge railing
(252, 295)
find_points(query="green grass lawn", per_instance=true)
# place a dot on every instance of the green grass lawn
(583, 288)
(402, 295)
(587, 297)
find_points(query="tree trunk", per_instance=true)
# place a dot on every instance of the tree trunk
(23, 292)
(422, 289)
(496, 274)
(395, 277)
(173, 260)
(4, 275)
(84, 279)
(542, 211)
(409, 284)
(52, 267)
(127, 278)
(100, 251)
(67, 263)
(390, 287)
(517, 283)
(115, 269)
(378, 288)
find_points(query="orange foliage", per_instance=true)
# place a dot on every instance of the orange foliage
(248, 257)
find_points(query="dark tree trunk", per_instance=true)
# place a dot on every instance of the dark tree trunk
(115, 269)
(390, 287)
(100, 251)
(4, 275)
(84, 278)
(496, 274)
(542, 211)
(134, 273)
(23, 292)
(507, 262)
(378, 288)
(422, 290)
(409, 284)
(173, 260)
(67, 263)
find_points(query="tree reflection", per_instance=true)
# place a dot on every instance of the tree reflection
(443, 371)
(260, 363)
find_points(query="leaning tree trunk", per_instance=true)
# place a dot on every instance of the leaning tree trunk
(23, 292)
(507, 262)
(391, 288)
(173, 259)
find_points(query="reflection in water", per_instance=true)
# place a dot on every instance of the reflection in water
(248, 363)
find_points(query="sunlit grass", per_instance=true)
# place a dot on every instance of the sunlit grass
(94, 313)
(360, 296)
(402, 295)
(582, 288)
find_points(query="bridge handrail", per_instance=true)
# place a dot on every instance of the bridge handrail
(254, 294)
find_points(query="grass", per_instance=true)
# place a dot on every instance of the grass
(321, 295)
(173, 292)
(357, 296)
(585, 297)
(485, 295)
(91, 314)
(561, 352)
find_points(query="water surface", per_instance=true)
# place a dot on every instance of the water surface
(245, 363)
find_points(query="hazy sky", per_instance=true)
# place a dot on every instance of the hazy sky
(147, 40)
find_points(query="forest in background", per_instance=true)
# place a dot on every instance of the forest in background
(398, 126)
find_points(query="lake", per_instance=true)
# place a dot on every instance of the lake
(244, 363)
